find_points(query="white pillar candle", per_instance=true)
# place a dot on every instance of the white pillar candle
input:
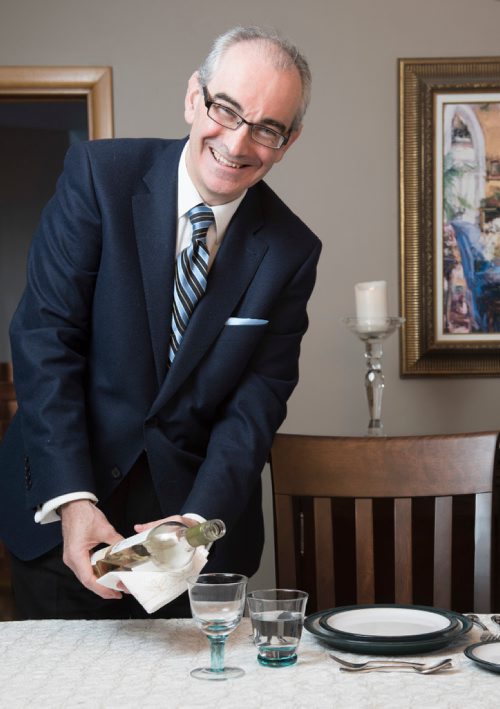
(371, 300)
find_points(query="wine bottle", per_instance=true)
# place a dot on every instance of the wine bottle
(169, 545)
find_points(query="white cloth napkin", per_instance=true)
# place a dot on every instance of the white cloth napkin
(151, 586)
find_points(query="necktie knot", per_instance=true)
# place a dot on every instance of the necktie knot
(201, 218)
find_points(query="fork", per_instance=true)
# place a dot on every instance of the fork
(395, 665)
(391, 664)
(487, 635)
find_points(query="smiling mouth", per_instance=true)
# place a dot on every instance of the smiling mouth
(222, 160)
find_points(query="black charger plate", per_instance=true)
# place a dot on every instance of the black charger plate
(383, 647)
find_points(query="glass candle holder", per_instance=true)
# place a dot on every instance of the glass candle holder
(373, 332)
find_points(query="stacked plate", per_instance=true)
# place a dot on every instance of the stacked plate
(389, 629)
(486, 654)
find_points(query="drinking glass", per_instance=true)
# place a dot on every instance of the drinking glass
(217, 604)
(277, 616)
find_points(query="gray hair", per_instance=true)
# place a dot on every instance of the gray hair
(287, 55)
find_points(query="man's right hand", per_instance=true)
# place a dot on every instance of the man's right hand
(84, 526)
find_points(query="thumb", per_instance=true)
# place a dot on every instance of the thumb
(113, 537)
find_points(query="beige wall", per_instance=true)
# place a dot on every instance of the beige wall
(341, 177)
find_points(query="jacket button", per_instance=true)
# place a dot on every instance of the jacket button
(116, 473)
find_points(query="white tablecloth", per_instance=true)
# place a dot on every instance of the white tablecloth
(146, 663)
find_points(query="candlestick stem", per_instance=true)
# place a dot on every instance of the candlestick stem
(374, 382)
(373, 333)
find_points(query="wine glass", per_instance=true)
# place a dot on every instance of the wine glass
(217, 603)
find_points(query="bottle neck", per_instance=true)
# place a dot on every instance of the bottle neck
(204, 533)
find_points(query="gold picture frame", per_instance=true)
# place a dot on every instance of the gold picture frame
(449, 128)
(93, 83)
(46, 97)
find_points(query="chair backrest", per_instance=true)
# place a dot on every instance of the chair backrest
(386, 519)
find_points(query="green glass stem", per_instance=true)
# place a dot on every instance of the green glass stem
(217, 645)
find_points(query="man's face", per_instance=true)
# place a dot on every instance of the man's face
(221, 162)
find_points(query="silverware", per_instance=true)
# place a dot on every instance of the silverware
(496, 619)
(360, 665)
(487, 635)
(420, 670)
(387, 665)
(398, 667)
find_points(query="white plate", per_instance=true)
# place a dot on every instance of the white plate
(460, 625)
(486, 654)
(393, 622)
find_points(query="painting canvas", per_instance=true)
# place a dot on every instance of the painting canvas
(468, 216)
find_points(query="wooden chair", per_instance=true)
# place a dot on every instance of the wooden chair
(386, 520)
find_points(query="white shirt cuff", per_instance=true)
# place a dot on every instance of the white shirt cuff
(47, 512)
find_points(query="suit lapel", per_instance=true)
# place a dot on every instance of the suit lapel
(155, 220)
(233, 269)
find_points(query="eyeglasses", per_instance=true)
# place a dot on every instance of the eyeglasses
(225, 116)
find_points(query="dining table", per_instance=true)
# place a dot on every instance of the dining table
(113, 664)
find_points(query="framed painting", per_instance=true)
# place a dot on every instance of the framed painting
(449, 128)
(43, 110)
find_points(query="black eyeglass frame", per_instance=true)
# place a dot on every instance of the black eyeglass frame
(209, 103)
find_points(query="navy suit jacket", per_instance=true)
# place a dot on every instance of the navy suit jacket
(90, 342)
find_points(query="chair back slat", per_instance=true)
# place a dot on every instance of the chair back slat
(284, 539)
(403, 559)
(411, 552)
(443, 509)
(365, 569)
(324, 550)
(483, 552)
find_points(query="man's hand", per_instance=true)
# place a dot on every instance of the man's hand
(84, 526)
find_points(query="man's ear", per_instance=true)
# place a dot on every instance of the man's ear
(192, 95)
(291, 140)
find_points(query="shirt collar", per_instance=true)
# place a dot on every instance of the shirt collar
(188, 197)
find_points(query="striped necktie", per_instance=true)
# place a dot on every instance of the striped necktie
(191, 271)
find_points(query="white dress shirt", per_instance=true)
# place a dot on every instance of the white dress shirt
(187, 197)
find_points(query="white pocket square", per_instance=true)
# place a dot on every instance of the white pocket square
(246, 321)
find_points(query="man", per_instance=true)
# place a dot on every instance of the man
(118, 422)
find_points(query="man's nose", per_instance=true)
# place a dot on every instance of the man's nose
(237, 140)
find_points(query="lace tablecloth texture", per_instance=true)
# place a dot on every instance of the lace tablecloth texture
(145, 663)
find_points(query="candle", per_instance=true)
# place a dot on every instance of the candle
(371, 300)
